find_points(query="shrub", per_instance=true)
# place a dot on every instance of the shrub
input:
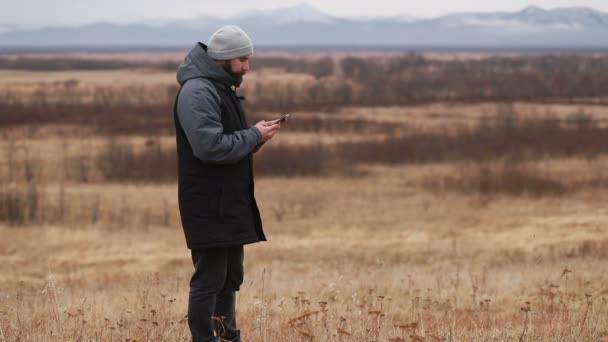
(19, 206)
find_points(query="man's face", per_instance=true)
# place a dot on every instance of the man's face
(237, 67)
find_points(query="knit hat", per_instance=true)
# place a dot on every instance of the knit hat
(229, 42)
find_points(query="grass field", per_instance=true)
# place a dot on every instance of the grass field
(367, 252)
(379, 251)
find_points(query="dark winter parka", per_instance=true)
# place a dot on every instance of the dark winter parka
(215, 148)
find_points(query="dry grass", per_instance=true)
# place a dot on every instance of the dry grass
(379, 252)
(407, 252)
(103, 77)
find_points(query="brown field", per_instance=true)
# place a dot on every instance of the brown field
(365, 252)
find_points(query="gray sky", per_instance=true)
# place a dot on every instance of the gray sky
(39, 13)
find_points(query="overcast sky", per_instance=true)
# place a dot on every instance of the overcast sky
(39, 13)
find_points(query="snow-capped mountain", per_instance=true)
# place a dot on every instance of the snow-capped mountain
(531, 19)
(301, 13)
(304, 25)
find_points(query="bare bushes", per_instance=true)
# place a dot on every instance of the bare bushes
(505, 178)
(503, 135)
(19, 206)
(293, 160)
(119, 161)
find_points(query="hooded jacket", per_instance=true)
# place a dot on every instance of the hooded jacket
(215, 148)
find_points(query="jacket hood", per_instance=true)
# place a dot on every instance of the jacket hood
(198, 64)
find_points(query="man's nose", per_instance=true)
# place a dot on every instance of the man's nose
(246, 66)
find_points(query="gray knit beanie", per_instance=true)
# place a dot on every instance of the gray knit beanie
(229, 42)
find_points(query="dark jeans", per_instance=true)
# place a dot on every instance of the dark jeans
(218, 274)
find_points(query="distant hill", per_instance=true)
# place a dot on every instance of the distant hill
(302, 25)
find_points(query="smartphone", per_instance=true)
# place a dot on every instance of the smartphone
(282, 119)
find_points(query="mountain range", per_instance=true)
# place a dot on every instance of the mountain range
(303, 25)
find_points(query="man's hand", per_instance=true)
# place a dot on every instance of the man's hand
(268, 129)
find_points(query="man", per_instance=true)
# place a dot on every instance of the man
(215, 179)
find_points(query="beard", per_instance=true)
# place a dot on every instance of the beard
(238, 76)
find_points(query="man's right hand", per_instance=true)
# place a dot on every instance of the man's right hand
(268, 129)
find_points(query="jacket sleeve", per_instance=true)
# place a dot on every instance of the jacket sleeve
(199, 114)
(258, 147)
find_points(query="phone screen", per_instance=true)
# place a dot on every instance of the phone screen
(282, 119)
